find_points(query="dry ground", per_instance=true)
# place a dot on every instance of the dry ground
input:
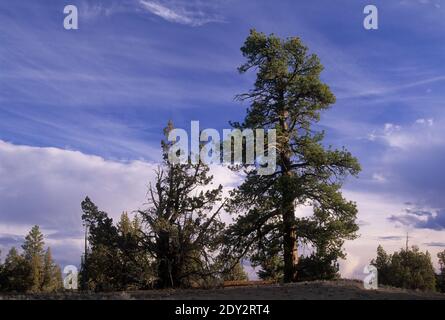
(319, 290)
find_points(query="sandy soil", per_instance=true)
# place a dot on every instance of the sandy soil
(319, 290)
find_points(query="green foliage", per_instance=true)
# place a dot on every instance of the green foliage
(236, 273)
(271, 268)
(16, 273)
(51, 274)
(115, 259)
(32, 271)
(409, 269)
(99, 267)
(33, 251)
(441, 275)
(137, 265)
(175, 241)
(318, 267)
(289, 96)
(183, 227)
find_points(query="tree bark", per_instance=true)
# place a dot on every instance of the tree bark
(290, 245)
(164, 267)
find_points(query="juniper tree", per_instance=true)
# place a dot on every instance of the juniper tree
(115, 258)
(182, 221)
(289, 96)
(136, 264)
(408, 268)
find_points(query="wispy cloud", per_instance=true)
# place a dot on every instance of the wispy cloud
(435, 244)
(91, 10)
(194, 15)
(421, 134)
(390, 238)
(421, 219)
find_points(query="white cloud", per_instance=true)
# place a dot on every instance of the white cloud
(350, 268)
(421, 134)
(45, 186)
(166, 13)
(175, 12)
(379, 177)
(61, 174)
(426, 122)
(90, 11)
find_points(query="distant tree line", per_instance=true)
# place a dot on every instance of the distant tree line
(31, 270)
(410, 268)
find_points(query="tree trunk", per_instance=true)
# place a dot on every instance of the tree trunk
(290, 247)
(164, 264)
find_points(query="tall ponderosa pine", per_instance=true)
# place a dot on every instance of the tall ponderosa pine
(34, 252)
(183, 228)
(289, 96)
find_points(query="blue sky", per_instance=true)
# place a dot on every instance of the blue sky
(81, 111)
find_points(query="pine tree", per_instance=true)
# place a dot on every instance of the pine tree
(271, 267)
(136, 263)
(16, 273)
(408, 268)
(383, 264)
(100, 269)
(115, 258)
(32, 271)
(2, 280)
(124, 225)
(288, 96)
(52, 275)
(33, 252)
(236, 273)
(183, 225)
(441, 275)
